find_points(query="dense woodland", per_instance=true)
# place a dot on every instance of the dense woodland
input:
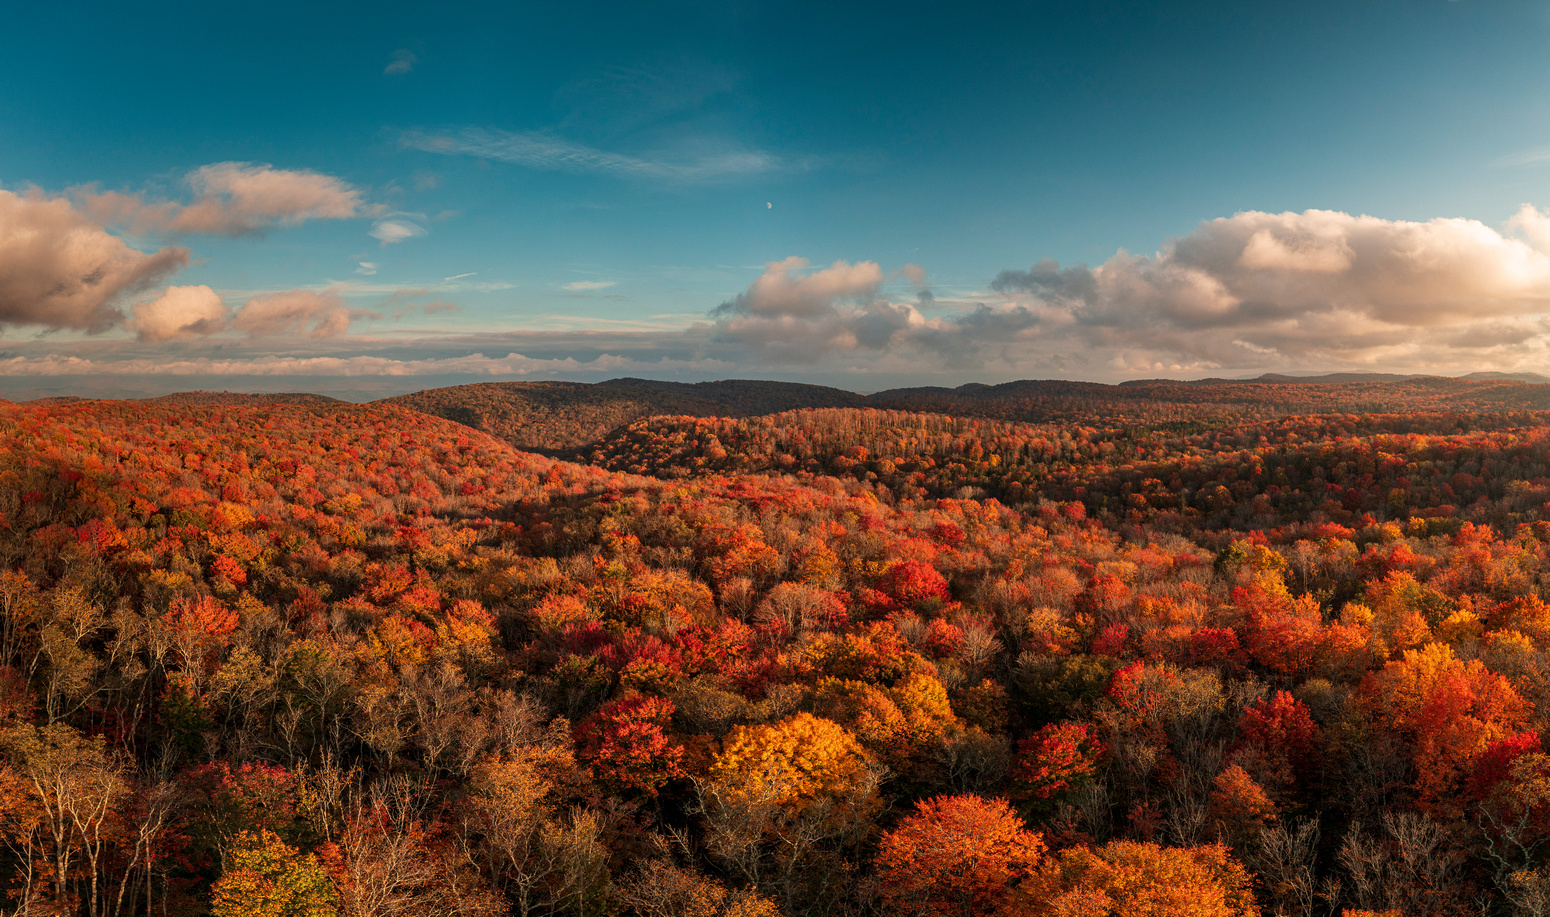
(551, 417)
(1288, 655)
(567, 419)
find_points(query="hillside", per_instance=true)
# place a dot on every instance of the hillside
(375, 649)
(1302, 469)
(1214, 401)
(207, 398)
(552, 417)
(572, 418)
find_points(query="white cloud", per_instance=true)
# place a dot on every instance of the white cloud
(581, 286)
(59, 269)
(1315, 285)
(180, 313)
(781, 291)
(800, 317)
(396, 229)
(1288, 290)
(403, 61)
(366, 269)
(544, 151)
(295, 312)
(230, 198)
(1524, 158)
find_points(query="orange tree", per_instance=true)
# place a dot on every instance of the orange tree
(1139, 879)
(957, 855)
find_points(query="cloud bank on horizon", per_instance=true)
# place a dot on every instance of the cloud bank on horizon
(1252, 291)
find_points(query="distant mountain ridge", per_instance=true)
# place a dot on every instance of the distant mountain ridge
(1535, 378)
(564, 418)
(554, 417)
(205, 397)
(568, 419)
(1327, 378)
(749, 395)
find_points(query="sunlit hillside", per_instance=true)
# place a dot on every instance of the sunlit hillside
(792, 664)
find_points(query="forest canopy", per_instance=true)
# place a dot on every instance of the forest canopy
(1287, 656)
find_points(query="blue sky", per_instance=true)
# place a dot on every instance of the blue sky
(585, 192)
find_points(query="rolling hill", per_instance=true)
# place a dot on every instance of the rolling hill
(554, 417)
(568, 418)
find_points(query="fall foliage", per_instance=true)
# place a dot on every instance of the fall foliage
(1226, 648)
(957, 855)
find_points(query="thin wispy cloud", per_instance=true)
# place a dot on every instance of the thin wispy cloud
(627, 99)
(593, 323)
(402, 304)
(582, 286)
(397, 227)
(455, 284)
(537, 150)
(1524, 158)
(403, 61)
(361, 289)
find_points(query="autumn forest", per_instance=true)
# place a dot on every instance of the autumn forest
(1268, 647)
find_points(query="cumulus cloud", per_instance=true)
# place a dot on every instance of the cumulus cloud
(180, 313)
(295, 312)
(58, 269)
(798, 315)
(230, 198)
(1251, 290)
(780, 291)
(1318, 284)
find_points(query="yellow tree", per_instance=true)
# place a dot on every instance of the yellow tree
(777, 794)
(265, 877)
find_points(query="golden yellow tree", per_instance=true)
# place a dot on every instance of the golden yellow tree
(778, 794)
(265, 877)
